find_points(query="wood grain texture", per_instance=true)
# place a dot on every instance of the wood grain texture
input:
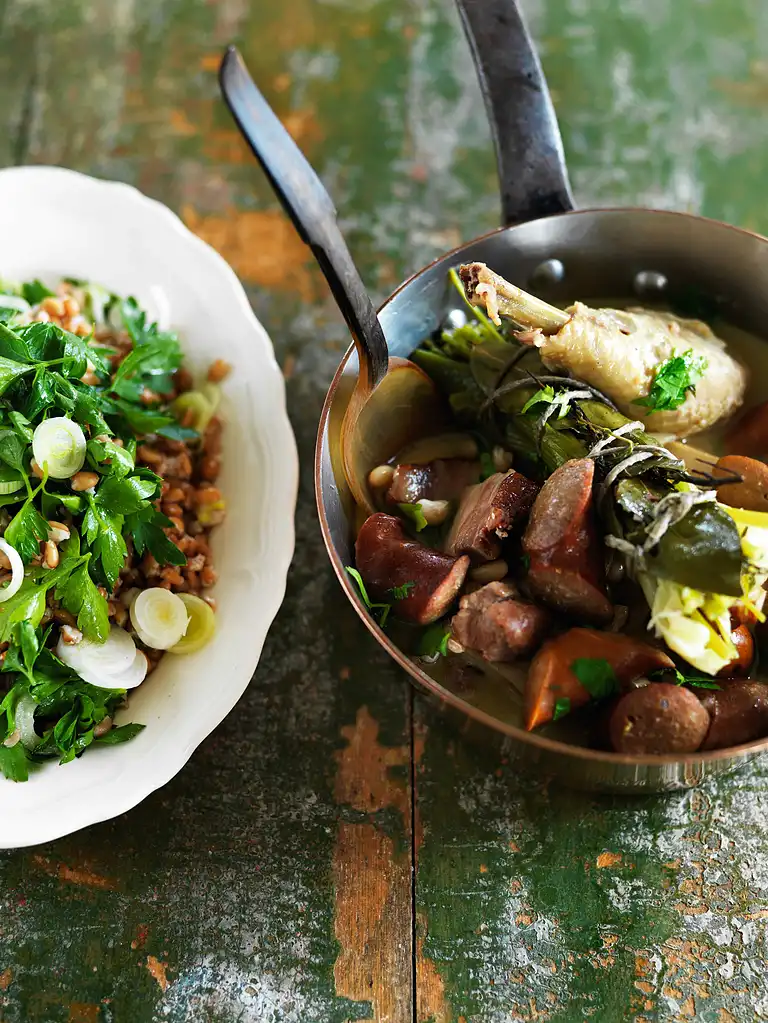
(271, 881)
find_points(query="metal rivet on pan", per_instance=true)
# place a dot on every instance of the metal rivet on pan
(551, 271)
(649, 282)
(455, 318)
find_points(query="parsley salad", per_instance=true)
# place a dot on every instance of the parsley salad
(109, 458)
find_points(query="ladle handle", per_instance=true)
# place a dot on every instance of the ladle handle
(310, 208)
(529, 150)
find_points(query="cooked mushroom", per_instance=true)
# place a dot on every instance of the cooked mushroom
(421, 583)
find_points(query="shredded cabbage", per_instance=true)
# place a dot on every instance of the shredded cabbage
(697, 625)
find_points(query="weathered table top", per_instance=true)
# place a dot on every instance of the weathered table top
(332, 852)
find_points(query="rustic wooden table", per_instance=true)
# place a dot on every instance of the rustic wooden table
(332, 852)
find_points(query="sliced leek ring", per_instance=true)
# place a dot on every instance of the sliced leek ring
(201, 627)
(58, 445)
(159, 617)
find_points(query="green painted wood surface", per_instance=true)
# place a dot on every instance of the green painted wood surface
(271, 880)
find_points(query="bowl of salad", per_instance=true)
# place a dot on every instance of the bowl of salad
(143, 442)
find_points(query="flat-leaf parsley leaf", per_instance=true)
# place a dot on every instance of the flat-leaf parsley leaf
(596, 675)
(672, 382)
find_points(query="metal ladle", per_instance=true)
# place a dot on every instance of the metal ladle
(393, 400)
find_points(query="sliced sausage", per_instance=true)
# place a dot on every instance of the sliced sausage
(499, 626)
(441, 480)
(388, 560)
(488, 512)
(550, 677)
(659, 718)
(738, 713)
(566, 568)
(752, 492)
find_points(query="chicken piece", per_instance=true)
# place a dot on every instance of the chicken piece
(618, 351)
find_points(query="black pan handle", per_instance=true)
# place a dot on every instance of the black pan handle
(309, 206)
(529, 150)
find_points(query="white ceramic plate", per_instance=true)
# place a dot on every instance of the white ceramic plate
(58, 223)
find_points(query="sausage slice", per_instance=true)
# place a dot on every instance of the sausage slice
(566, 568)
(389, 561)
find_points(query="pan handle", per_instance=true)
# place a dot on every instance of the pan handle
(529, 151)
(309, 206)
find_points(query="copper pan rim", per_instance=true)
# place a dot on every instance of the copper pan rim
(445, 696)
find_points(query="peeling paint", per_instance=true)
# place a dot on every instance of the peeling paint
(158, 970)
(74, 875)
(262, 246)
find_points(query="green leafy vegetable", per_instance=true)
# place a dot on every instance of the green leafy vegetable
(146, 528)
(120, 734)
(401, 592)
(103, 531)
(672, 382)
(79, 594)
(562, 707)
(110, 458)
(25, 531)
(35, 291)
(14, 763)
(596, 675)
(21, 425)
(415, 514)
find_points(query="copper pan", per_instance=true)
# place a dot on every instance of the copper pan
(597, 252)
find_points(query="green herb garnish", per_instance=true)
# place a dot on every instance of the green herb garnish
(434, 640)
(596, 675)
(546, 395)
(381, 607)
(562, 707)
(672, 381)
(415, 514)
(401, 592)
(694, 680)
